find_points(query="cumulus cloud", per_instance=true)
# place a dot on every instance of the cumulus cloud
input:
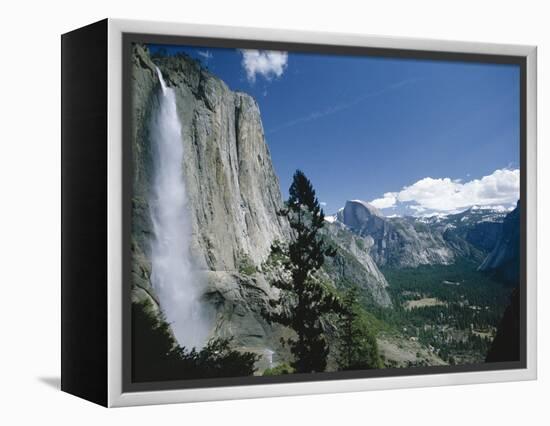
(447, 195)
(267, 63)
(388, 200)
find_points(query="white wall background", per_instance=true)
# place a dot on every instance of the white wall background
(30, 200)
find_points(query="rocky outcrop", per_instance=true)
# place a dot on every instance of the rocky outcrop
(353, 264)
(504, 263)
(478, 226)
(484, 235)
(504, 259)
(396, 242)
(145, 83)
(363, 218)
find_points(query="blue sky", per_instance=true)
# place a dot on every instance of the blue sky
(429, 134)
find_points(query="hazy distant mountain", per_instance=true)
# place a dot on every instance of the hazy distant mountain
(400, 242)
(404, 241)
(480, 226)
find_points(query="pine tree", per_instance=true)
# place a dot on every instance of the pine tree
(347, 335)
(358, 347)
(303, 300)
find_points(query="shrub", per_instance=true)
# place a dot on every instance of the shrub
(279, 370)
(156, 355)
(245, 264)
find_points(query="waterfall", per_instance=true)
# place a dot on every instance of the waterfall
(176, 282)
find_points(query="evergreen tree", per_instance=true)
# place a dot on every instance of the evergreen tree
(303, 300)
(156, 356)
(358, 347)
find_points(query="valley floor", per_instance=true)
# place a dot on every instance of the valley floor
(433, 322)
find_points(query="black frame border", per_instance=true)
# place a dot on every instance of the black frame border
(84, 234)
(127, 173)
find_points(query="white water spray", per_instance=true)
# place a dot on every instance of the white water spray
(178, 286)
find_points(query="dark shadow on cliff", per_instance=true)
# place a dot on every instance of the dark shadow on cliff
(506, 345)
(504, 264)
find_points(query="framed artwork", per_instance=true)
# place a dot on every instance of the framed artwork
(256, 213)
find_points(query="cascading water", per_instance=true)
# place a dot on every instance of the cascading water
(178, 286)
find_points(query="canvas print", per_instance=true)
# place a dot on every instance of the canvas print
(310, 213)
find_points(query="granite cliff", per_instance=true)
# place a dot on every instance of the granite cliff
(396, 242)
(504, 258)
(402, 242)
(233, 197)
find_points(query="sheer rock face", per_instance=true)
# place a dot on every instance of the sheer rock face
(504, 262)
(354, 264)
(504, 259)
(397, 242)
(233, 197)
(232, 191)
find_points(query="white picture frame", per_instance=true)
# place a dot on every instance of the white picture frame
(116, 395)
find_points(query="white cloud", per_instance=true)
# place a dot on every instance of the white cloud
(323, 204)
(267, 63)
(388, 200)
(446, 195)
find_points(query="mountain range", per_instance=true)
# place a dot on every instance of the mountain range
(234, 197)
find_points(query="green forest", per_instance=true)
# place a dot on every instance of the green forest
(462, 325)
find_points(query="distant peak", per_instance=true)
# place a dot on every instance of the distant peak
(371, 209)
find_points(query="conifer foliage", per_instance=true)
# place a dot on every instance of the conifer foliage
(156, 355)
(358, 347)
(304, 301)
